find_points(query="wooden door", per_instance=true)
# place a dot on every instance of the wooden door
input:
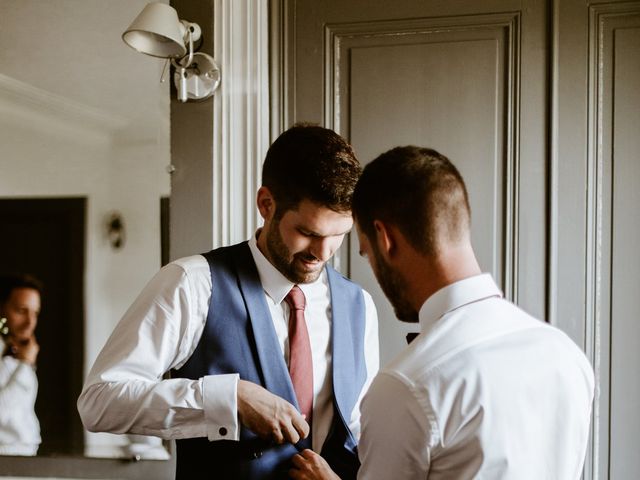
(537, 103)
(595, 166)
(466, 78)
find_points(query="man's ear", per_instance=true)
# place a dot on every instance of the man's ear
(385, 239)
(266, 203)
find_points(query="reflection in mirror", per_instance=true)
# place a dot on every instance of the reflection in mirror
(20, 297)
(84, 135)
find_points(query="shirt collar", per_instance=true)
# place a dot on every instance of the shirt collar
(274, 283)
(456, 295)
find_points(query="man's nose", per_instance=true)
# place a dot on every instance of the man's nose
(322, 249)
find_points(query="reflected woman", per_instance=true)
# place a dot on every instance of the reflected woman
(19, 310)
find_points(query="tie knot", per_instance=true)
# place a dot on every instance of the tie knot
(295, 298)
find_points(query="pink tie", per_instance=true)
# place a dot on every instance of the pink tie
(300, 364)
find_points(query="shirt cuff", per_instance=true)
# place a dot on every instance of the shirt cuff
(220, 403)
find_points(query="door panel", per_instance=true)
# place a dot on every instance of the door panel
(437, 86)
(594, 265)
(617, 179)
(447, 77)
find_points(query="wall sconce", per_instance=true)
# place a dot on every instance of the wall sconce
(157, 31)
(115, 230)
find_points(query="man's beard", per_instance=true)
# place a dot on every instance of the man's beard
(393, 286)
(287, 264)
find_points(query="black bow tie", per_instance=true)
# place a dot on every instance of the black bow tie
(411, 336)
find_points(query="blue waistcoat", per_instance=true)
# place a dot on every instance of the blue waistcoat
(239, 337)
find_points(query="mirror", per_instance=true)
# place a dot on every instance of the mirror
(84, 133)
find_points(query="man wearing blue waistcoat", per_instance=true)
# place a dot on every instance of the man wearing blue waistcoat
(270, 349)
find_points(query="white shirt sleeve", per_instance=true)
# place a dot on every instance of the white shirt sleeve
(371, 356)
(20, 387)
(125, 391)
(19, 427)
(397, 437)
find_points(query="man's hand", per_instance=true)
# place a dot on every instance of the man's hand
(269, 416)
(308, 465)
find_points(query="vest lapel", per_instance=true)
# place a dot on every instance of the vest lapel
(272, 364)
(342, 342)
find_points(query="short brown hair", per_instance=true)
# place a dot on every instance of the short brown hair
(314, 163)
(12, 281)
(417, 189)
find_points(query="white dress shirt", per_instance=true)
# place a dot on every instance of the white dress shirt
(19, 426)
(484, 392)
(125, 393)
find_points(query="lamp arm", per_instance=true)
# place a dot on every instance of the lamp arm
(181, 66)
(193, 32)
(189, 57)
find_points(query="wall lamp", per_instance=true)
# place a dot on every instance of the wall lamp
(157, 31)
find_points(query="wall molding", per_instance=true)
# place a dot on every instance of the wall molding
(49, 113)
(241, 113)
(282, 80)
(603, 21)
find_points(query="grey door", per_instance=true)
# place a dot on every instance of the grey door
(466, 78)
(538, 104)
(595, 167)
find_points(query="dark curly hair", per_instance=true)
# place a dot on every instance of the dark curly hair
(9, 282)
(309, 162)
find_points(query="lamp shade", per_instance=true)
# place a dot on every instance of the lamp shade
(157, 31)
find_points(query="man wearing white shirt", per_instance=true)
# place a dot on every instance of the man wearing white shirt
(20, 297)
(485, 391)
(270, 349)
